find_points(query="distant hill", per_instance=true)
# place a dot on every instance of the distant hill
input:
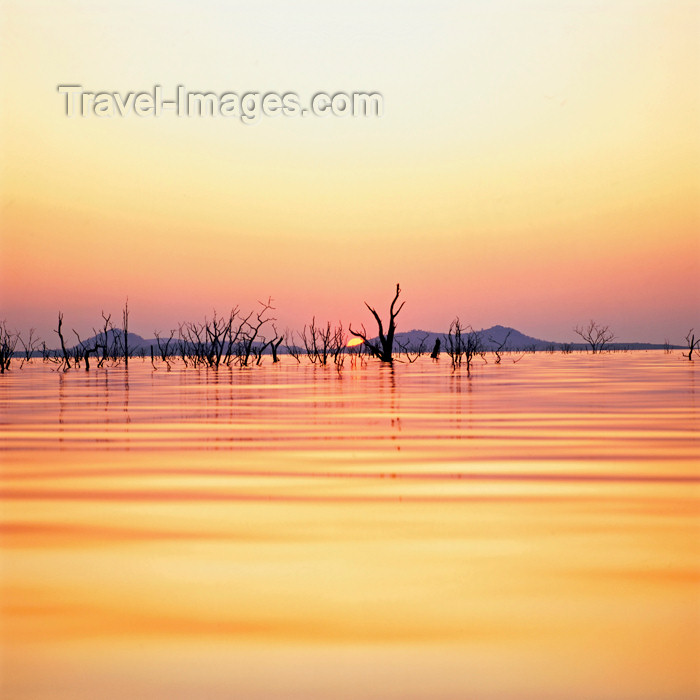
(514, 340)
(116, 334)
(491, 338)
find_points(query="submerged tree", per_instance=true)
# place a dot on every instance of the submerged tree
(462, 343)
(595, 335)
(693, 344)
(8, 342)
(66, 356)
(30, 347)
(125, 322)
(324, 343)
(500, 346)
(292, 349)
(82, 351)
(163, 347)
(383, 347)
(412, 351)
(275, 343)
(251, 332)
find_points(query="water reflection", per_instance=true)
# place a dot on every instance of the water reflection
(61, 408)
(529, 531)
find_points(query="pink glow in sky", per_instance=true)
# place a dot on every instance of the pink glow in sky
(536, 166)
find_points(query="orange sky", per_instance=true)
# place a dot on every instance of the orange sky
(537, 164)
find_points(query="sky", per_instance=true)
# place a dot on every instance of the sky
(536, 165)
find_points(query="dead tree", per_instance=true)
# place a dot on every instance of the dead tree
(163, 347)
(125, 320)
(411, 351)
(382, 350)
(82, 351)
(338, 344)
(8, 342)
(79, 353)
(66, 355)
(595, 335)
(315, 343)
(182, 345)
(259, 350)
(218, 332)
(462, 344)
(234, 340)
(292, 349)
(693, 344)
(250, 331)
(104, 338)
(190, 336)
(500, 347)
(29, 347)
(323, 343)
(263, 345)
(275, 345)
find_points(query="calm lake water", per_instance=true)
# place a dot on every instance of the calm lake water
(290, 531)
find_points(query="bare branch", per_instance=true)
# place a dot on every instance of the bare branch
(595, 335)
(384, 349)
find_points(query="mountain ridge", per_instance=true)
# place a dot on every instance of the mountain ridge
(491, 339)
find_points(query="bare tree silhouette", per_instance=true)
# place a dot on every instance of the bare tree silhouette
(412, 351)
(382, 350)
(29, 347)
(163, 347)
(103, 336)
(323, 343)
(8, 342)
(251, 332)
(292, 349)
(500, 347)
(596, 335)
(462, 343)
(217, 333)
(693, 344)
(275, 344)
(125, 319)
(83, 352)
(316, 341)
(216, 341)
(66, 356)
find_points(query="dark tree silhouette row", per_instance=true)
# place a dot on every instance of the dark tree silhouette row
(243, 339)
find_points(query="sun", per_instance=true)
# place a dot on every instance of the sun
(354, 341)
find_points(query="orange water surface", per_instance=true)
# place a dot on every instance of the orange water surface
(290, 531)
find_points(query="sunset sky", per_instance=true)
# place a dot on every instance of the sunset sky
(537, 165)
